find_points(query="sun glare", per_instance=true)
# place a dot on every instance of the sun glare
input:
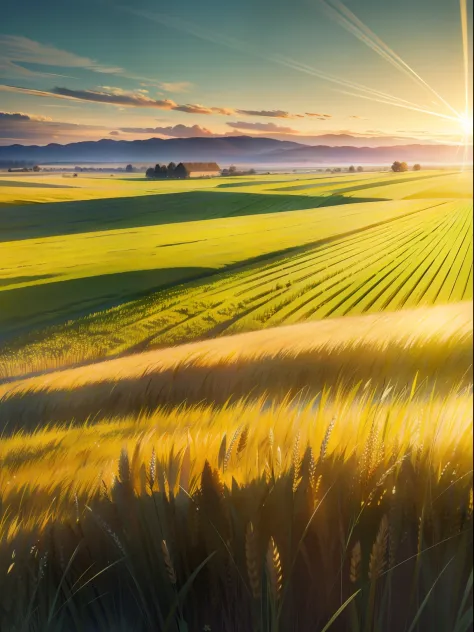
(466, 124)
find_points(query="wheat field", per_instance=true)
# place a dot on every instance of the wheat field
(250, 410)
(330, 505)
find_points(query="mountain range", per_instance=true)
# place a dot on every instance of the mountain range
(249, 150)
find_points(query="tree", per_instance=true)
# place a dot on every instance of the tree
(352, 169)
(150, 173)
(399, 167)
(36, 168)
(157, 169)
(417, 167)
(232, 169)
(129, 168)
(171, 168)
(360, 169)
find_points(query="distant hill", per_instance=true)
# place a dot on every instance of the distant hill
(238, 149)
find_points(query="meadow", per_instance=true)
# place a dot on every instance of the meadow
(236, 404)
(270, 254)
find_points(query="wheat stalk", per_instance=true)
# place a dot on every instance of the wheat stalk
(278, 461)
(168, 563)
(356, 559)
(296, 463)
(274, 570)
(378, 554)
(228, 454)
(325, 442)
(152, 470)
(252, 560)
(242, 442)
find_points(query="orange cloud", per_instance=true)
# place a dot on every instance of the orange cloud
(270, 113)
(175, 131)
(262, 127)
(321, 117)
(196, 108)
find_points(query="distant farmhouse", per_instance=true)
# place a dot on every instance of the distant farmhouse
(197, 169)
(184, 170)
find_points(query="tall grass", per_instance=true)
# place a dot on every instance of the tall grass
(353, 510)
(434, 345)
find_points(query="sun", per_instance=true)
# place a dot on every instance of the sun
(466, 124)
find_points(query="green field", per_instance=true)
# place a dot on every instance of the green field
(297, 470)
(96, 277)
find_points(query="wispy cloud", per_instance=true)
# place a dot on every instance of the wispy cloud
(262, 127)
(19, 126)
(270, 113)
(175, 131)
(125, 98)
(321, 117)
(176, 87)
(196, 108)
(16, 50)
(114, 96)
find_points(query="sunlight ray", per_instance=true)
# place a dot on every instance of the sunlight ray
(241, 46)
(407, 107)
(377, 94)
(465, 50)
(351, 23)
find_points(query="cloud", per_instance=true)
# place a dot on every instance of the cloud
(114, 133)
(359, 118)
(175, 131)
(262, 127)
(116, 96)
(196, 108)
(176, 87)
(321, 117)
(15, 50)
(270, 113)
(20, 116)
(18, 126)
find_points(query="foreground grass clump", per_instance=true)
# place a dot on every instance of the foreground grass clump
(246, 517)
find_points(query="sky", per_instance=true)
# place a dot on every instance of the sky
(383, 72)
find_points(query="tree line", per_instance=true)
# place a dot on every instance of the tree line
(161, 172)
(401, 167)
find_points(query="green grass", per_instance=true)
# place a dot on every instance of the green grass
(211, 259)
(310, 477)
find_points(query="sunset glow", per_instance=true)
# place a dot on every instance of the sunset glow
(385, 74)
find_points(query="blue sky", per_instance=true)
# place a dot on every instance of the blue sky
(123, 69)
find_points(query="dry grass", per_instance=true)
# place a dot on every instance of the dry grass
(267, 513)
(390, 473)
(434, 344)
